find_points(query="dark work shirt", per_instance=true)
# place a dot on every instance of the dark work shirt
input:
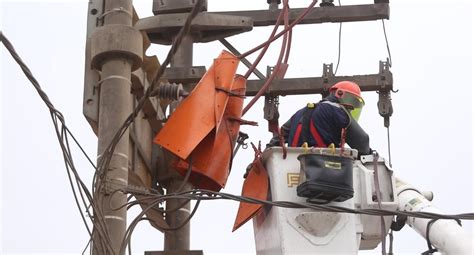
(329, 119)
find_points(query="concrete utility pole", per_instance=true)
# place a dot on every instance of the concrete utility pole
(116, 51)
(179, 240)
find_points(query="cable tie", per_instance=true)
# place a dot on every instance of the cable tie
(110, 77)
(119, 9)
(230, 93)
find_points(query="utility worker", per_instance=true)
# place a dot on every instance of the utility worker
(328, 121)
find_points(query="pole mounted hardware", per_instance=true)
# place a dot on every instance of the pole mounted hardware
(328, 74)
(273, 1)
(175, 6)
(327, 3)
(385, 101)
(385, 106)
(205, 27)
(241, 142)
(319, 85)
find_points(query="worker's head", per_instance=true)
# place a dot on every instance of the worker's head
(348, 94)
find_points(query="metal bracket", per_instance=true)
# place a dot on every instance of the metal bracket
(184, 75)
(335, 14)
(328, 74)
(205, 27)
(384, 70)
(241, 142)
(243, 60)
(270, 109)
(90, 106)
(320, 85)
(327, 3)
(385, 106)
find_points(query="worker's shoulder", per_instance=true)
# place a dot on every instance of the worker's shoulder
(327, 109)
(326, 103)
(328, 106)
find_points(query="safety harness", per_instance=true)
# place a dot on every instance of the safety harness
(305, 122)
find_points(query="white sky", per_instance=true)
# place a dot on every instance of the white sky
(431, 46)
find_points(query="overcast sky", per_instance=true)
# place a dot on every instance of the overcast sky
(431, 131)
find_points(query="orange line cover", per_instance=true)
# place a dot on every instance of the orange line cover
(202, 110)
(211, 159)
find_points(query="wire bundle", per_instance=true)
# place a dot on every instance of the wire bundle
(83, 197)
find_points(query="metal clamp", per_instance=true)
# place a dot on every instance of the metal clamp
(270, 108)
(241, 142)
(328, 74)
(385, 106)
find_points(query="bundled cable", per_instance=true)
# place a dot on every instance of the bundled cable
(78, 187)
(284, 51)
(201, 194)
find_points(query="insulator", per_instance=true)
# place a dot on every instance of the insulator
(326, 3)
(171, 91)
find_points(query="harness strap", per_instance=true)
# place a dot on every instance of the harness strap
(306, 119)
(343, 139)
(296, 138)
(317, 136)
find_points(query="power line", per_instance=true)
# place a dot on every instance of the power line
(201, 194)
(386, 42)
(62, 132)
(339, 45)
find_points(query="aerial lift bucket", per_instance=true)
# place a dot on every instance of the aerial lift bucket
(202, 110)
(211, 160)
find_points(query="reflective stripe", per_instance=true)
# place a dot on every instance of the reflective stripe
(340, 107)
(332, 103)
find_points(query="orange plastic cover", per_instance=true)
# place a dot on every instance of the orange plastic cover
(211, 159)
(255, 186)
(201, 111)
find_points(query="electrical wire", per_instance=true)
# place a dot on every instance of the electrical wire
(284, 31)
(283, 50)
(290, 32)
(62, 133)
(389, 148)
(390, 247)
(265, 48)
(202, 194)
(386, 42)
(339, 47)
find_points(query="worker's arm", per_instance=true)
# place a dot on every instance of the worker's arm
(285, 131)
(357, 138)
